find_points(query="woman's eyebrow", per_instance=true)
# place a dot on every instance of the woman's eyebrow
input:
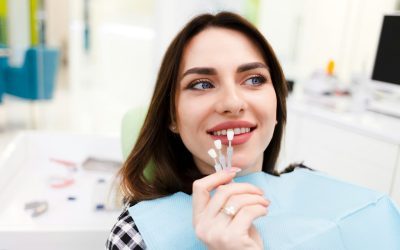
(200, 71)
(250, 66)
(213, 71)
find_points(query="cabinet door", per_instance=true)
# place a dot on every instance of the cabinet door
(396, 181)
(290, 141)
(345, 154)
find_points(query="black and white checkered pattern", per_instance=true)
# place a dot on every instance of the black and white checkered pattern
(125, 234)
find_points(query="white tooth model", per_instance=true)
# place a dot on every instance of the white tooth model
(221, 157)
(222, 163)
(229, 151)
(213, 155)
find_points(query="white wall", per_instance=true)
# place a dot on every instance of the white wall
(119, 62)
(18, 29)
(57, 22)
(129, 38)
(306, 34)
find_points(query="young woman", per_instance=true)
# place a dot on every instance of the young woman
(219, 73)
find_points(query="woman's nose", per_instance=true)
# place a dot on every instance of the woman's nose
(230, 101)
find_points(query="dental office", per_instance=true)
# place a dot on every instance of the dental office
(77, 78)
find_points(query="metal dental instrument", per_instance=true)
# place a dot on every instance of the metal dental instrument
(37, 207)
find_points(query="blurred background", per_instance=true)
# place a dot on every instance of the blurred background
(109, 51)
(75, 67)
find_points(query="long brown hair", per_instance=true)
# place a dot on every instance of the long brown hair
(171, 163)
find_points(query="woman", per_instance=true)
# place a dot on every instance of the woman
(219, 73)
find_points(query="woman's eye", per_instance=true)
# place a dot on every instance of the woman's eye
(201, 85)
(255, 80)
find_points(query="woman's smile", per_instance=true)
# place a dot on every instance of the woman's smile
(243, 130)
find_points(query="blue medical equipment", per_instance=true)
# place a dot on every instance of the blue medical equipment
(35, 79)
(3, 66)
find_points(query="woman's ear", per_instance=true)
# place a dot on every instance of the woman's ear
(173, 128)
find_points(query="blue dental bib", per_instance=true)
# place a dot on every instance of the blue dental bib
(308, 210)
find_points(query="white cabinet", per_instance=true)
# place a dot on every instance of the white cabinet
(396, 181)
(343, 148)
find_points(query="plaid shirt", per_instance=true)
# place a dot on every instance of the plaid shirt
(125, 234)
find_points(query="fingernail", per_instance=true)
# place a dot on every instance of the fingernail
(266, 202)
(232, 170)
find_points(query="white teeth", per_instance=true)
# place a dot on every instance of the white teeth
(237, 131)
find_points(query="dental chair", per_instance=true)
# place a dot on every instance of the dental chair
(131, 124)
(35, 80)
(3, 66)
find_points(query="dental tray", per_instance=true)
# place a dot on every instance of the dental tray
(49, 200)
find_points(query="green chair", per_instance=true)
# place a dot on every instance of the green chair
(131, 124)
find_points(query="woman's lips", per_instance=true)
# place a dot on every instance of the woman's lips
(231, 125)
(237, 139)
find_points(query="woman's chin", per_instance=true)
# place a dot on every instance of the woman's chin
(246, 166)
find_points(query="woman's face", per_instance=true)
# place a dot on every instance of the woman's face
(224, 83)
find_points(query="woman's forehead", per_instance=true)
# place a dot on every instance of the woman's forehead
(219, 47)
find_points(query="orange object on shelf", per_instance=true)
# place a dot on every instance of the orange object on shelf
(330, 67)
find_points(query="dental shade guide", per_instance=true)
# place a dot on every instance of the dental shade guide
(221, 157)
(222, 162)
(229, 151)
(213, 155)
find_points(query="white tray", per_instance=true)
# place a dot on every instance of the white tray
(25, 169)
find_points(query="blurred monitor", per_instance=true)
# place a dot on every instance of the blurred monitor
(386, 71)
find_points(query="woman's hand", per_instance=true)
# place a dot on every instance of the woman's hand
(225, 221)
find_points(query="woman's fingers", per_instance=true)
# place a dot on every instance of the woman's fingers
(244, 218)
(229, 230)
(229, 195)
(235, 203)
(242, 200)
(203, 186)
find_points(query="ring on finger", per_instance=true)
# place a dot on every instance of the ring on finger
(229, 210)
